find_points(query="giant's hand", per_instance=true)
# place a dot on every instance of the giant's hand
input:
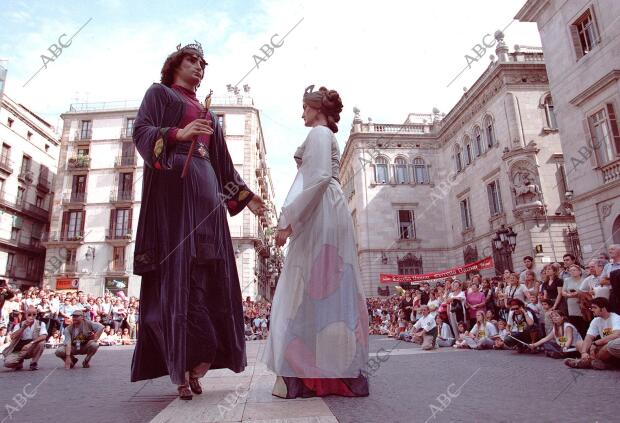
(194, 129)
(257, 206)
(282, 235)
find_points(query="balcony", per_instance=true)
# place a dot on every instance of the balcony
(66, 236)
(126, 161)
(127, 133)
(24, 242)
(83, 135)
(78, 163)
(611, 171)
(26, 176)
(44, 184)
(119, 235)
(121, 196)
(74, 198)
(36, 211)
(6, 165)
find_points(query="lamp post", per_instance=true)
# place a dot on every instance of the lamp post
(505, 242)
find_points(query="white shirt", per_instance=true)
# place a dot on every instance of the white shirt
(516, 292)
(514, 327)
(594, 283)
(603, 327)
(609, 267)
(29, 331)
(446, 333)
(561, 341)
(486, 332)
(572, 303)
(522, 274)
(425, 322)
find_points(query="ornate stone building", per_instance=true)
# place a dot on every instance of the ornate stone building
(436, 191)
(99, 183)
(581, 40)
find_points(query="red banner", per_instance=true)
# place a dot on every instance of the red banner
(485, 263)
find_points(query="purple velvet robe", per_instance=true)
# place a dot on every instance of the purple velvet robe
(183, 237)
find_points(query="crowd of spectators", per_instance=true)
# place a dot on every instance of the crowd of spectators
(561, 309)
(256, 318)
(119, 314)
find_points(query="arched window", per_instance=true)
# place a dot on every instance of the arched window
(420, 171)
(467, 150)
(381, 171)
(457, 158)
(400, 171)
(490, 131)
(478, 147)
(549, 113)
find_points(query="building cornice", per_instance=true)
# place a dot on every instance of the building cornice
(596, 191)
(593, 89)
(531, 10)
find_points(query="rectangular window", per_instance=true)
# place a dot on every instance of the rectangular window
(119, 258)
(465, 214)
(5, 155)
(78, 188)
(70, 256)
(86, 129)
(125, 186)
(406, 224)
(83, 152)
(478, 144)
(495, 198)
(605, 135)
(73, 224)
(401, 174)
(468, 154)
(584, 33)
(10, 263)
(122, 222)
(30, 267)
(21, 195)
(421, 174)
(14, 234)
(129, 127)
(39, 202)
(381, 175)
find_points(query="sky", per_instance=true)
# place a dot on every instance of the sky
(388, 58)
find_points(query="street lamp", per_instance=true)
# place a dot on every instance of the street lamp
(512, 239)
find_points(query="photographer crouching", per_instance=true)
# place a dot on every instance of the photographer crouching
(27, 342)
(80, 339)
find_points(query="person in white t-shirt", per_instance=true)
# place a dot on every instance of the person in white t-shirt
(561, 341)
(604, 329)
(425, 329)
(520, 325)
(479, 337)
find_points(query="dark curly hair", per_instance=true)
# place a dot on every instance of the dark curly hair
(328, 102)
(172, 63)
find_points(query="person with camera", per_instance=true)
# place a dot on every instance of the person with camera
(520, 325)
(27, 342)
(81, 338)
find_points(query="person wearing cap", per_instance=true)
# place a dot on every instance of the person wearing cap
(27, 342)
(191, 317)
(520, 323)
(81, 338)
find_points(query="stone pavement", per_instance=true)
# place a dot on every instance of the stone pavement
(407, 385)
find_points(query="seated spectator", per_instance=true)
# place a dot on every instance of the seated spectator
(479, 338)
(596, 353)
(460, 336)
(520, 324)
(54, 341)
(425, 329)
(445, 338)
(4, 339)
(502, 333)
(126, 338)
(547, 324)
(561, 341)
(407, 335)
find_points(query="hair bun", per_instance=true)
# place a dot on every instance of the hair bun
(331, 105)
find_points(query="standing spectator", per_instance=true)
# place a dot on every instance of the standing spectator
(611, 276)
(456, 305)
(45, 312)
(515, 290)
(552, 284)
(528, 262)
(81, 338)
(604, 328)
(132, 322)
(531, 283)
(475, 301)
(406, 305)
(27, 342)
(64, 312)
(594, 284)
(572, 284)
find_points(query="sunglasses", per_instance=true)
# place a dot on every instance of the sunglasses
(31, 314)
(514, 309)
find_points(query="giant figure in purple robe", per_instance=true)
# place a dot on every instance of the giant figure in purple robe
(191, 317)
